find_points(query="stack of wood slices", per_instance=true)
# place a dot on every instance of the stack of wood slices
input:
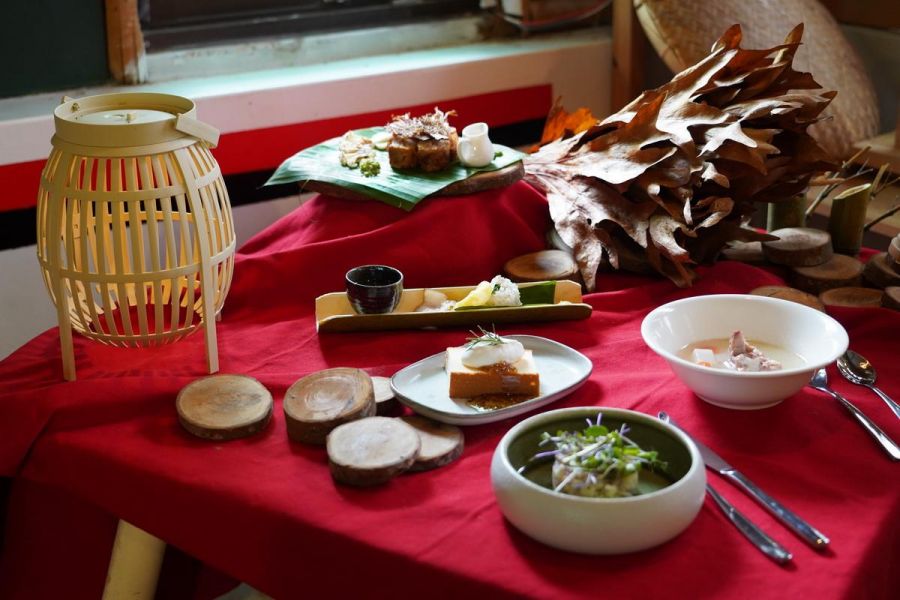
(339, 408)
(821, 277)
(343, 409)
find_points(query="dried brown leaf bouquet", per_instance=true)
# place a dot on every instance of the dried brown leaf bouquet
(672, 176)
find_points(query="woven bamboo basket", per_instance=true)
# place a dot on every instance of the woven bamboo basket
(683, 32)
(134, 227)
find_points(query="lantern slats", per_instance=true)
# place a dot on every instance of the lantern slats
(153, 237)
(138, 290)
(136, 242)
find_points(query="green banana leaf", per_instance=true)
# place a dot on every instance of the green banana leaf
(530, 294)
(401, 189)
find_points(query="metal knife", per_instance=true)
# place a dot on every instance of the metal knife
(714, 462)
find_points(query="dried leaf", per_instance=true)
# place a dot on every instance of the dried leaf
(561, 124)
(673, 175)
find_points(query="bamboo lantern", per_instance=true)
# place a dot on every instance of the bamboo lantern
(134, 227)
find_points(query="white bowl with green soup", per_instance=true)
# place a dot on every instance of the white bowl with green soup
(598, 480)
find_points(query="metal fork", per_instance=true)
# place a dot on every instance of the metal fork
(819, 381)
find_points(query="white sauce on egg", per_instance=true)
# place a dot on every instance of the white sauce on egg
(482, 355)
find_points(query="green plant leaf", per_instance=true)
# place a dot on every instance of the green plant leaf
(401, 189)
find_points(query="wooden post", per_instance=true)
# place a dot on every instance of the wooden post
(134, 565)
(125, 42)
(629, 46)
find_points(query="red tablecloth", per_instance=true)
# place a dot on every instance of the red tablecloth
(266, 511)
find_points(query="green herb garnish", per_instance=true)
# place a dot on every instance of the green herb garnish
(370, 167)
(487, 338)
(597, 461)
(498, 154)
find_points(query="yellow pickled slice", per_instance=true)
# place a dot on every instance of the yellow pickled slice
(480, 296)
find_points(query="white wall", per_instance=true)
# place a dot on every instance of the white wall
(577, 65)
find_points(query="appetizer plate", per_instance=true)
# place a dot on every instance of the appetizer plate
(423, 386)
(334, 313)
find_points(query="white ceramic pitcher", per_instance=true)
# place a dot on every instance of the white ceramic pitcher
(475, 148)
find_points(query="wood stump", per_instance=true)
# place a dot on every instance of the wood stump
(385, 402)
(545, 265)
(371, 451)
(852, 296)
(798, 247)
(317, 403)
(894, 253)
(745, 252)
(440, 444)
(891, 298)
(839, 271)
(224, 407)
(788, 293)
(880, 272)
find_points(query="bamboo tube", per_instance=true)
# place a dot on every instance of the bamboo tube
(790, 212)
(848, 216)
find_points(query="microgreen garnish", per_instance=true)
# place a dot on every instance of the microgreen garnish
(597, 458)
(487, 338)
(498, 153)
(369, 167)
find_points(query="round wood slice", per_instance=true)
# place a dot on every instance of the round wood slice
(318, 403)
(440, 444)
(839, 271)
(851, 296)
(798, 247)
(891, 298)
(545, 265)
(485, 180)
(788, 293)
(224, 407)
(894, 253)
(879, 271)
(371, 451)
(746, 252)
(385, 402)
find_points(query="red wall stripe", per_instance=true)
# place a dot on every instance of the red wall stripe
(266, 148)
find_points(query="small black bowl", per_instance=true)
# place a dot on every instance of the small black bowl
(374, 289)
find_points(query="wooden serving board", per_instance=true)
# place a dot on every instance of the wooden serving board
(485, 180)
(334, 313)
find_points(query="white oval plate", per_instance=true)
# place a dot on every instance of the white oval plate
(423, 386)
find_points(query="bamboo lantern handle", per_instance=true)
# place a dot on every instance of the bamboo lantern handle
(197, 129)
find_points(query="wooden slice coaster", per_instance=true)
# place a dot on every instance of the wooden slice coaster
(385, 402)
(891, 298)
(224, 407)
(838, 271)
(371, 451)
(880, 273)
(318, 403)
(745, 252)
(894, 253)
(788, 293)
(798, 247)
(440, 444)
(545, 265)
(851, 296)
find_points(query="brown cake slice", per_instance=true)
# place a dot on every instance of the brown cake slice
(402, 152)
(519, 378)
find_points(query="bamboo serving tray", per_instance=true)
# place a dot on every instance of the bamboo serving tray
(334, 313)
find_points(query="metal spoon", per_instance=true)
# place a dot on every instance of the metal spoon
(819, 381)
(857, 369)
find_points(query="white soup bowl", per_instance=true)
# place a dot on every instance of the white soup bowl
(812, 335)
